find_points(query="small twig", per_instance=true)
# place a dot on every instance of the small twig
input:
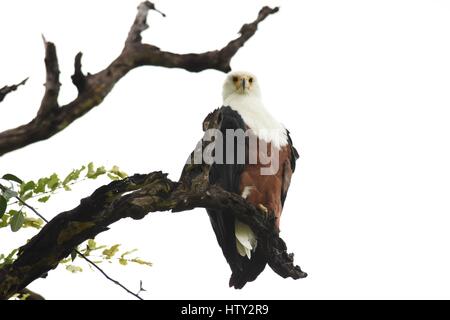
(8, 89)
(108, 277)
(31, 208)
(141, 289)
(53, 192)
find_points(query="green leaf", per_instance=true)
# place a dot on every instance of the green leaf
(91, 170)
(24, 187)
(16, 221)
(36, 223)
(100, 171)
(73, 269)
(92, 244)
(27, 196)
(40, 188)
(11, 177)
(74, 175)
(11, 255)
(3, 205)
(44, 199)
(109, 253)
(93, 173)
(123, 261)
(53, 182)
(9, 259)
(4, 221)
(115, 170)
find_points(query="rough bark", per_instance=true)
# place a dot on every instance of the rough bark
(135, 197)
(93, 88)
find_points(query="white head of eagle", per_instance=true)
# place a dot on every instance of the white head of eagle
(242, 93)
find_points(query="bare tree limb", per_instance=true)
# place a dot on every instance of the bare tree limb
(78, 78)
(92, 89)
(135, 197)
(52, 85)
(140, 23)
(8, 89)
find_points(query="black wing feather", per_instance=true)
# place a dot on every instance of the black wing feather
(227, 176)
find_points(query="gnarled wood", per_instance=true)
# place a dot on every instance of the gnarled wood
(92, 89)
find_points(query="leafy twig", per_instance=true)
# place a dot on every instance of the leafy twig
(82, 255)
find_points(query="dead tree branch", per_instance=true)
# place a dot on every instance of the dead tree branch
(52, 85)
(8, 89)
(92, 89)
(135, 197)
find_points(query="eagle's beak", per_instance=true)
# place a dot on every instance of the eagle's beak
(243, 85)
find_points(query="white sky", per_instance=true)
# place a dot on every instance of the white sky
(363, 86)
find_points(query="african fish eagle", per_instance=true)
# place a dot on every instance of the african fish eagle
(243, 109)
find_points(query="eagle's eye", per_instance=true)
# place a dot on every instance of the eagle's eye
(235, 79)
(250, 80)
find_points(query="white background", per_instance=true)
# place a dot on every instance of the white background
(363, 87)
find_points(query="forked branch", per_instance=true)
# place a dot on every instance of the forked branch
(92, 89)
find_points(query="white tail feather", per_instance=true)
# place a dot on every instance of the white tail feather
(245, 239)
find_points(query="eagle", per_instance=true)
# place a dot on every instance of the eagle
(262, 177)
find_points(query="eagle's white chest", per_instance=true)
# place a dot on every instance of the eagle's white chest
(259, 120)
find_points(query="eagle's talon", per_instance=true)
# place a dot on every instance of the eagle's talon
(263, 209)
